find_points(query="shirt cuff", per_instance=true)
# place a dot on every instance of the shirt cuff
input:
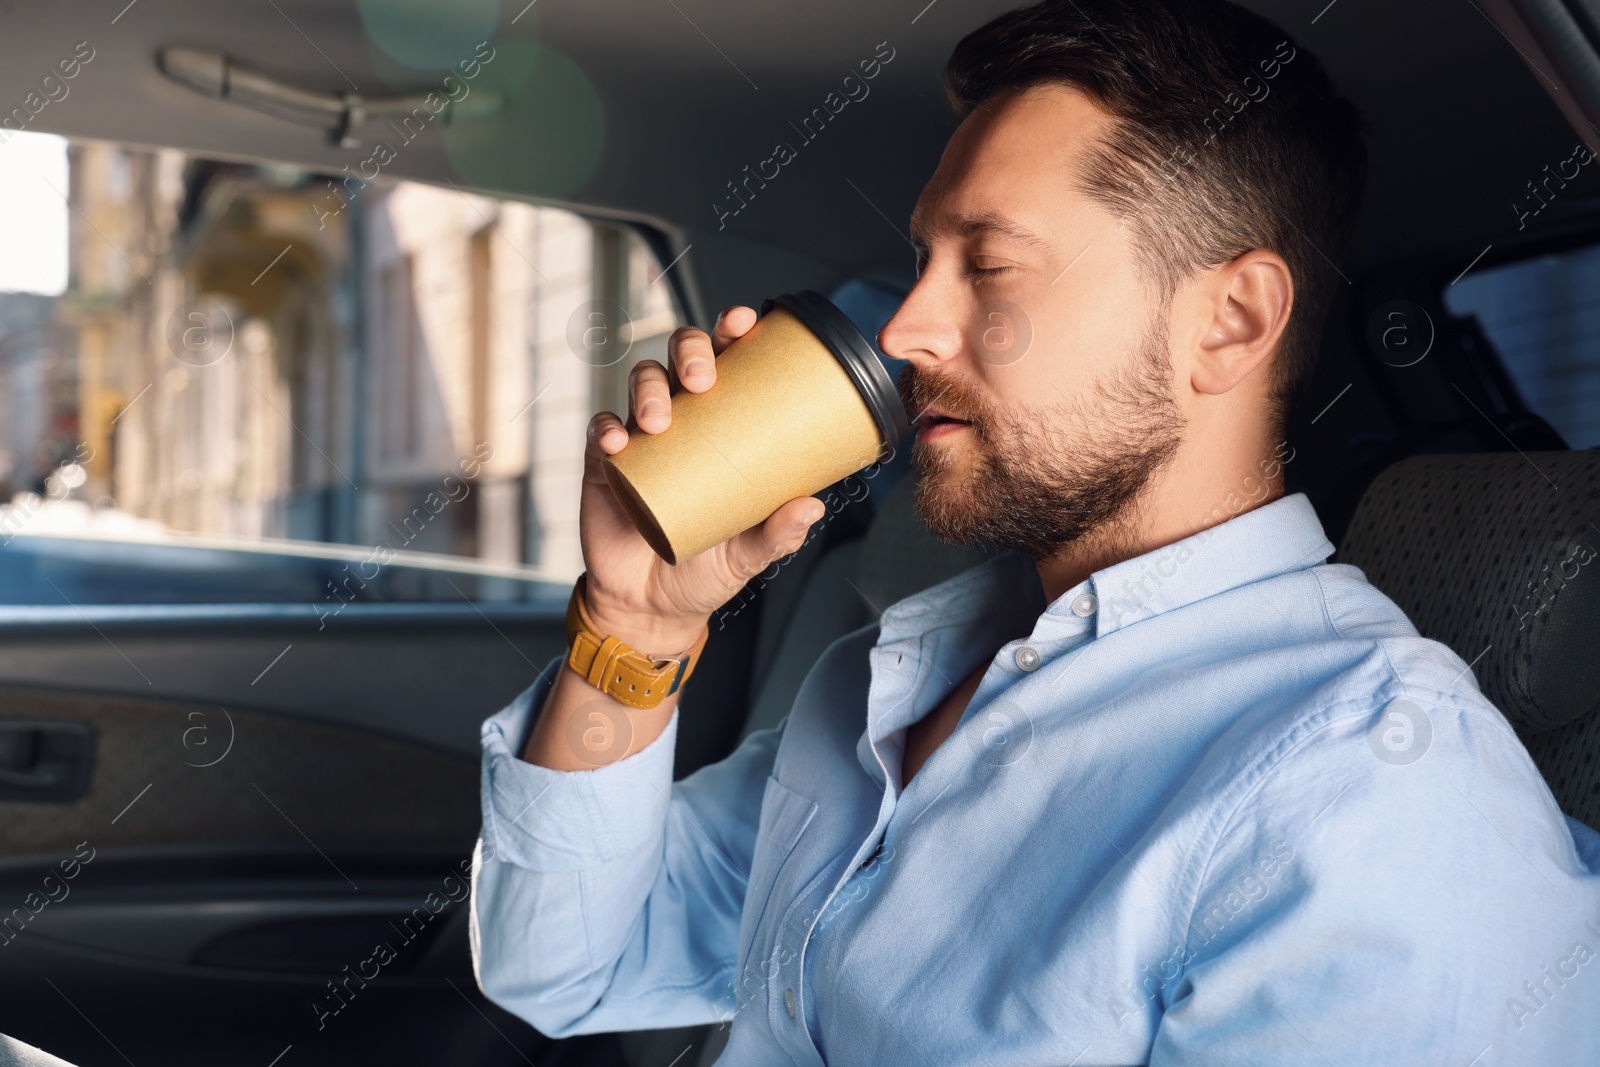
(549, 820)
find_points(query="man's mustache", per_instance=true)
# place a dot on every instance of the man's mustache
(920, 390)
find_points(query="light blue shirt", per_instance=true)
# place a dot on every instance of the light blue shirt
(1220, 805)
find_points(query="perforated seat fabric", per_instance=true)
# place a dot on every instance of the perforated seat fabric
(1495, 555)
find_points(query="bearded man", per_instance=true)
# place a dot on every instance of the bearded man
(1201, 855)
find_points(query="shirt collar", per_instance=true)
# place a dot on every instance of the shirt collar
(1266, 541)
(1262, 543)
(958, 620)
(995, 589)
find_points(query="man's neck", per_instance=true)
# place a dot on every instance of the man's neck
(1096, 551)
(1151, 522)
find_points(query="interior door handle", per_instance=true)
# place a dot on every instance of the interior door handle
(45, 761)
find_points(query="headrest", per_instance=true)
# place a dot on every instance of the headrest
(1497, 556)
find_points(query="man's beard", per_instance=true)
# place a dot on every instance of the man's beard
(1044, 478)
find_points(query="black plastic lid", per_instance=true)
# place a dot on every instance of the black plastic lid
(834, 328)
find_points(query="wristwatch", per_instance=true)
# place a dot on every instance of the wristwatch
(616, 668)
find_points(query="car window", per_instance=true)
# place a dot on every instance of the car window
(231, 356)
(1543, 317)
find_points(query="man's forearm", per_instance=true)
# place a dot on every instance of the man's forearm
(581, 728)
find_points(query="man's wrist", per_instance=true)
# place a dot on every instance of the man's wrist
(653, 636)
(611, 652)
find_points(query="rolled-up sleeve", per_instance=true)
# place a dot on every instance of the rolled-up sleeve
(610, 899)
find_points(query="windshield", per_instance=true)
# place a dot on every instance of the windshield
(212, 369)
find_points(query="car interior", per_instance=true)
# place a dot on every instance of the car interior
(198, 723)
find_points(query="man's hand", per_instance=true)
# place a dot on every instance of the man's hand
(632, 593)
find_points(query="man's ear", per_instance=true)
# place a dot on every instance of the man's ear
(1249, 300)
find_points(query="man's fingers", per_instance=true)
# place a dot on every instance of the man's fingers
(693, 361)
(731, 325)
(606, 436)
(650, 397)
(692, 352)
(784, 532)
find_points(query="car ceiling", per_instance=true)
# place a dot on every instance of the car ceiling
(691, 91)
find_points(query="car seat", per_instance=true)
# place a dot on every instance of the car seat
(1495, 555)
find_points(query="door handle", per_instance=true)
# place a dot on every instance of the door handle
(45, 761)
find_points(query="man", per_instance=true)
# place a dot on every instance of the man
(1142, 791)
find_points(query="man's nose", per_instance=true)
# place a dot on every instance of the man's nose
(925, 328)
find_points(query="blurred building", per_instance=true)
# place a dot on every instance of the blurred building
(262, 352)
(38, 405)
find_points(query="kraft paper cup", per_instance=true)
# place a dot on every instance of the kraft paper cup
(800, 402)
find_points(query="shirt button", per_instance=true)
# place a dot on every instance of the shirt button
(1027, 658)
(788, 1001)
(1084, 605)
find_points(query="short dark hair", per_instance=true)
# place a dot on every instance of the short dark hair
(1227, 138)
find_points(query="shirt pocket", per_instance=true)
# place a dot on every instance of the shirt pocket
(785, 815)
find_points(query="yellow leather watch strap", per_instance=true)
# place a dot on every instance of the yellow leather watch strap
(616, 668)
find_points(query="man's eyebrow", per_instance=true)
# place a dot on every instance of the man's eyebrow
(995, 224)
(984, 223)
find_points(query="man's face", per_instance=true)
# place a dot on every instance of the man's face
(1031, 327)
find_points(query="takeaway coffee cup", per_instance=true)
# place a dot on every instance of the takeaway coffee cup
(800, 401)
